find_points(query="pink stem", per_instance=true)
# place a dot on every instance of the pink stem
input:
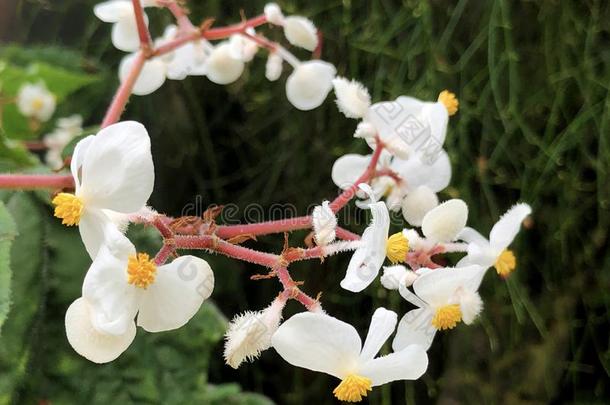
(345, 234)
(178, 12)
(143, 33)
(166, 251)
(36, 181)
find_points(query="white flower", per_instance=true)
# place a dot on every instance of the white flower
(364, 130)
(67, 129)
(494, 252)
(250, 333)
(324, 223)
(113, 171)
(242, 47)
(124, 28)
(274, 15)
(445, 222)
(319, 342)
(122, 283)
(309, 84)
(300, 31)
(35, 101)
(395, 276)
(353, 98)
(93, 345)
(274, 66)
(417, 203)
(222, 67)
(152, 75)
(445, 297)
(375, 246)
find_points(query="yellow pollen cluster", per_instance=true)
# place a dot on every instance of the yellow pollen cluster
(397, 248)
(68, 208)
(141, 270)
(506, 263)
(447, 317)
(37, 104)
(352, 388)
(449, 100)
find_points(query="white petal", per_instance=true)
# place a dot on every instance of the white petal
(87, 341)
(221, 67)
(176, 294)
(80, 151)
(151, 77)
(348, 168)
(353, 98)
(415, 328)
(274, 66)
(416, 172)
(417, 204)
(439, 286)
(318, 342)
(112, 11)
(309, 84)
(118, 172)
(94, 225)
(300, 31)
(368, 259)
(382, 326)
(274, 15)
(124, 34)
(482, 255)
(471, 306)
(445, 222)
(188, 60)
(395, 276)
(505, 230)
(324, 223)
(409, 363)
(472, 236)
(112, 300)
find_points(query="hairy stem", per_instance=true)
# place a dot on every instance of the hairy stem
(35, 181)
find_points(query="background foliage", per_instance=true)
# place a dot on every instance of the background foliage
(533, 78)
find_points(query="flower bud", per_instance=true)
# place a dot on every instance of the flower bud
(445, 222)
(394, 276)
(417, 203)
(324, 224)
(222, 68)
(300, 31)
(309, 84)
(273, 68)
(353, 98)
(274, 15)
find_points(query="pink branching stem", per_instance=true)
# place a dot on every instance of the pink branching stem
(36, 181)
(293, 291)
(143, 33)
(164, 253)
(179, 13)
(345, 234)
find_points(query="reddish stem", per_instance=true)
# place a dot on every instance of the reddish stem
(36, 181)
(345, 234)
(143, 33)
(166, 251)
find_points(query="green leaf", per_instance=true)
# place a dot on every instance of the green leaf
(8, 231)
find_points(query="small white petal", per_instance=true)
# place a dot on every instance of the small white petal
(274, 15)
(395, 276)
(319, 342)
(382, 326)
(300, 31)
(417, 204)
(417, 171)
(472, 236)
(124, 34)
(87, 341)
(440, 286)
(151, 77)
(274, 66)
(348, 168)
(324, 223)
(365, 130)
(409, 363)
(445, 222)
(112, 11)
(471, 306)
(78, 156)
(353, 98)
(94, 226)
(309, 84)
(222, 68)
(176, 294)
(505, 230)
(415, 328)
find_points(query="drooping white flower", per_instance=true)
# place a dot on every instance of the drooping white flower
(250, 333)
(124, 28)
(66, 129)
(395, 276)
(319, 342)
(445, 297)
(113, 172)
(309, 84)
(301, 31)
(494, 252)
(35, 101)
(353, 98)
(93, 345)
(274, 15)
(274, 66)
(122, 283)
(324, 223)
(151, 77)
(445, 222)
(222, 67)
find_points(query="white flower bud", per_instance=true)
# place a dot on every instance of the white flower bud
(471, 306)
(445, 222)
(222, 68)
(35, 101)
(274, 15)
(417, 203)
(353, 98)
(324, 224)
(273, 68)
(365, 130)
(394, 276)
(151, 77)
(309, 84)
(250, 333)
(300, 31)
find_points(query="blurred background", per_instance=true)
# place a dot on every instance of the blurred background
(533, 79)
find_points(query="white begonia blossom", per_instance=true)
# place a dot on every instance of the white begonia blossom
(250, 333)
(395, 276)
(222, 67)
(301, 32)
(417, 203)
(35, 101)
(353, 99)
(495, 252)
(151, 77)
(375, 246)
(445, 222)
(273, 13)
(274, 66)
(322, 343)
(309, 84)
(445, 296)
(120, 13)
(186, 60)
(122, 283)
(66, 129)
(113, 174)
(93, 345)
(324, 223)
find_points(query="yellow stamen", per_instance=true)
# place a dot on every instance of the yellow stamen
(449, 100)
(506, 263)
(397, 248)
(37, 104)
(352, 388)
(447, 317)
(68, 208)
(141, 271)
